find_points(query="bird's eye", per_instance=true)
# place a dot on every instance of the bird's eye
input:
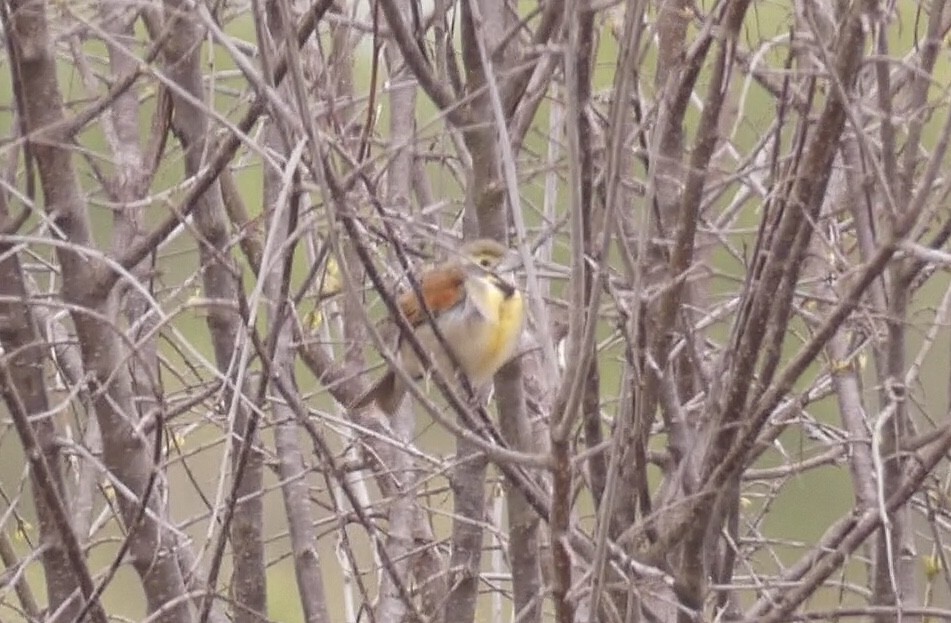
(485, 262)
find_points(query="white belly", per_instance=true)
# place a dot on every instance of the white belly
(483, 331)
(462, 327)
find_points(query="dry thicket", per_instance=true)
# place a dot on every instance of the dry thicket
(731, 397)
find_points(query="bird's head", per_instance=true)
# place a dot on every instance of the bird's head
(490, 256)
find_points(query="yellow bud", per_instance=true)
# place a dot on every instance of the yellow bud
(23, 531)
(331, 281)
(314, 319)
(932, 566)
(840, 366)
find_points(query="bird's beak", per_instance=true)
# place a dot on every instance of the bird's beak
(511, 262)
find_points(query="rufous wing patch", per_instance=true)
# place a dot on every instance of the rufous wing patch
(442, 289)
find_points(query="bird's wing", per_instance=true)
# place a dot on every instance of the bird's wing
(442, 289)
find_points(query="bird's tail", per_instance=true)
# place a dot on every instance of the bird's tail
(387, 393)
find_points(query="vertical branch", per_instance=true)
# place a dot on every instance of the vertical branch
(53, 502)
(590, 233)
(893, 573)
(249, 580)
(577, 67)
(607, 474)
(402, 512)
(846, 380)
(25, 392)
(483, 68)
(13, 565)
(484, 201)
(126, 452)
(22, 344)
(128, 188)
(468, 488)
(917, 95)
(282, 205)
(665, 163)
(181, 51)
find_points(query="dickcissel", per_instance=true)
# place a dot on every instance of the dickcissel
(479, 314)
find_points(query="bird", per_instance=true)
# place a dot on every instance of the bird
(477, 310)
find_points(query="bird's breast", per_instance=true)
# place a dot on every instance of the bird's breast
(498, 315)
(482, 331)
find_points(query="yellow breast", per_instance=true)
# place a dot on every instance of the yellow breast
(503, 328)
(482, 331)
